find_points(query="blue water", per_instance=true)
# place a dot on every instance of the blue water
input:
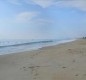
(14, 46)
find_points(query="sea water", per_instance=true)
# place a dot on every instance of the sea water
(14, 46)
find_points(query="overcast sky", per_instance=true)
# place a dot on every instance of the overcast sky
(42, 19)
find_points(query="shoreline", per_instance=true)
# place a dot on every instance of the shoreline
(49, 45)
(65, 61)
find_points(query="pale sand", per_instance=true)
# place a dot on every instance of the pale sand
(62, 62)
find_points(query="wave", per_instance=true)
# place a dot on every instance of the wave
(26, 43)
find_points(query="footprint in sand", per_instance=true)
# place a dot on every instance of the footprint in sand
(64, 67)
(34, 71)
(74, 60)
(84, 75)
(77, 75)
(32, 56)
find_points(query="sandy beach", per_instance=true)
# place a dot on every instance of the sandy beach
(66, 61)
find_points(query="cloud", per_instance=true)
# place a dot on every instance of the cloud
(32, 18)
(79, 4)
(42, 22)
(44, 3)
(25, 17)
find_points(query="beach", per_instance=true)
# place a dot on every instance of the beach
(66, 61)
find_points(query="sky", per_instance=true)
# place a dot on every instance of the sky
(42, 19)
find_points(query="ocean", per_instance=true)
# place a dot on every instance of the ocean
(14, 46)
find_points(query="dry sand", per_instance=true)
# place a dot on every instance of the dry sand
(62, 62)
